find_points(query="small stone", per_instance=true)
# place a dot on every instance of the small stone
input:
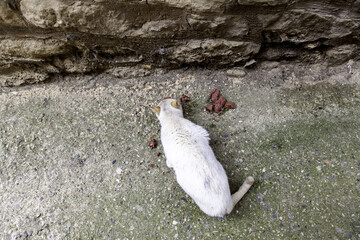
(250, 63)
(236, 73)
(118, 170)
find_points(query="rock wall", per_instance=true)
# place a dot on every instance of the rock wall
(40, 38)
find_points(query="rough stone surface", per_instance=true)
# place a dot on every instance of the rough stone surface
(130, 72)
(309, 24)
(10, 17)
(32, 49)
(263, 2)
(17, 78)
(218, 51)
(95, 36)
(198, 5)
(342, 53)
(75, 164)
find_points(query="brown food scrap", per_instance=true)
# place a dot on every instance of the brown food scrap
(214, 95)
(219, 104)
(221, 100)
(152, 143)
(210, 107)
(151, 165)
(230, 105)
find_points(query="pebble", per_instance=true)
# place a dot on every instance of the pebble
(250, 63)
(236, 73)
(118, 170)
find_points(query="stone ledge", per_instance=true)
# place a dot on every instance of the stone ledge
(91, 36)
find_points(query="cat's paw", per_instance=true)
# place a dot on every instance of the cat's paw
(250, 180)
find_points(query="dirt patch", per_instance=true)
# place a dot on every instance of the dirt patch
(320, 96)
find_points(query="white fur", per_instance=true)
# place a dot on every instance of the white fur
(187, 151)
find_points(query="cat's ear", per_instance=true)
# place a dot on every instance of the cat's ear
(156, 110)
(175, 104)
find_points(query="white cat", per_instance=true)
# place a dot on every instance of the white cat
(187, 151)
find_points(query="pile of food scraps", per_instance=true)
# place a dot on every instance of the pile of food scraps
(218, 102)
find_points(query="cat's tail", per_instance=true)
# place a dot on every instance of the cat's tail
(242, 190)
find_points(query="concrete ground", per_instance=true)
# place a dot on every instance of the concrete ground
(74, 160)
